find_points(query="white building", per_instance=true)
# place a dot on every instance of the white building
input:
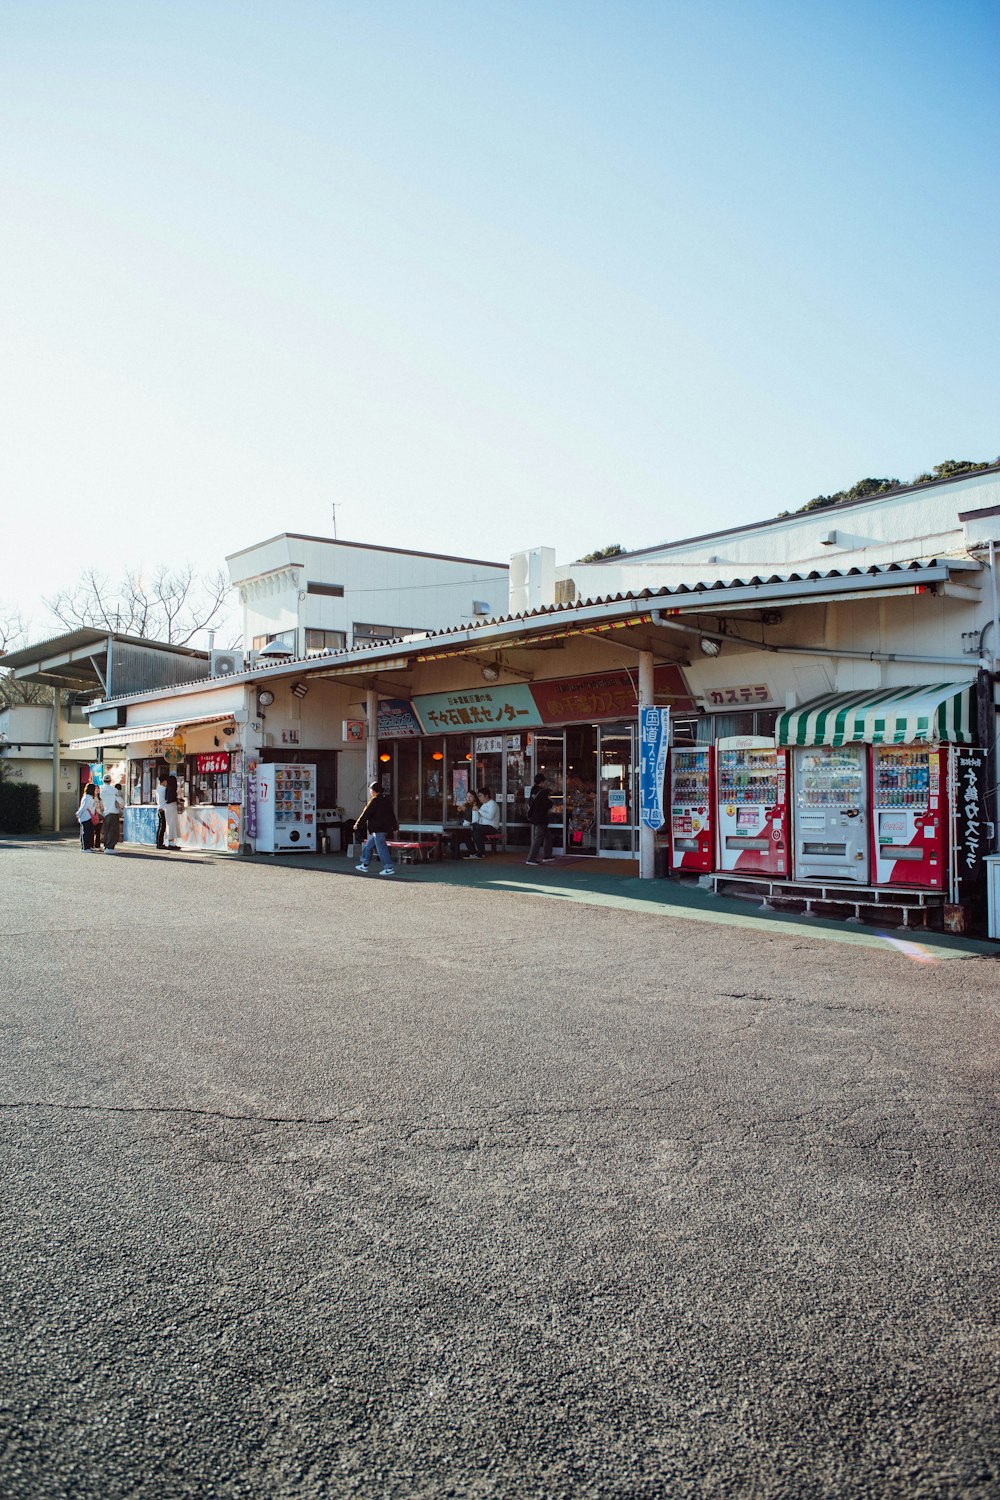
(311, 594)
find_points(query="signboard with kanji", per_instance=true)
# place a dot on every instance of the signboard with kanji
(654, 737)
(969, 831)
(477, 708)
(396, 720)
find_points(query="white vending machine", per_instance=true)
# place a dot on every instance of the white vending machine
(286, 809)
(831, 813)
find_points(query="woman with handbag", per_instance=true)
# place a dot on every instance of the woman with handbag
(85, 816)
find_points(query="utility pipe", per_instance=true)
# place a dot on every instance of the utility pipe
(660, 620)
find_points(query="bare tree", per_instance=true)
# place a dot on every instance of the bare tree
(12, 692)
(170, 606)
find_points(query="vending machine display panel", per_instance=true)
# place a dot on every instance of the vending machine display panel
(752, 780)
(909, 818)
(691, 835)
(831, 813)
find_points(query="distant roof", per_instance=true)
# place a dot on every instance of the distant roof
(332, 541)
(794, 515)
(71, 660)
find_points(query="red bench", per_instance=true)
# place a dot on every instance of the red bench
(419, 849)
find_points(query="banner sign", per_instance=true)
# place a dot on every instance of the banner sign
(396, 720)
(968, 800)
(654, 736)
(604, 695)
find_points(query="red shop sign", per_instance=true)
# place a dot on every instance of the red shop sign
(206, 764)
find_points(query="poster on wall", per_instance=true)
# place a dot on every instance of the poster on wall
(654, 735)
(251, 799)
(459, 785)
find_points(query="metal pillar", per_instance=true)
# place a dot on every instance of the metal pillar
(55, 760)
(371, 739)
(647, 836)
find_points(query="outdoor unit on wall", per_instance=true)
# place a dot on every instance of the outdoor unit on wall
(225, 663)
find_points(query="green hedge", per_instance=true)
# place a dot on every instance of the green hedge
(20, 808)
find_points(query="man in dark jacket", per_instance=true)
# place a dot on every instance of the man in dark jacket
(539, 812)
(374, 825)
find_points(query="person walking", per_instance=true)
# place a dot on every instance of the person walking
(377, 821)
(487, 820)
(114, 804)
(539, 812)
(85, 817)
(161, 811)
(171, 811)
(98, 818)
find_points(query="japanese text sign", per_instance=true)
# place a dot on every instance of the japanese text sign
(654, 736)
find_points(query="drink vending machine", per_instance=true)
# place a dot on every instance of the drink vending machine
(752, 791)
(909, 815)
(286, 808)
(691, 832)
(831, 812)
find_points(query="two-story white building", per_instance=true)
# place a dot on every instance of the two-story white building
(308, 594)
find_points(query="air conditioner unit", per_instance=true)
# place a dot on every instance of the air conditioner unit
(224, 663)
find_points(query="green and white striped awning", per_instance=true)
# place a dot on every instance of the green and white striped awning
(894, 716)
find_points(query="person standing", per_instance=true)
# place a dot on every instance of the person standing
(377, 821)
(113, 803)
(539, 812)
(171, 811)
(488, 819)
(161, 813)
(85, 815)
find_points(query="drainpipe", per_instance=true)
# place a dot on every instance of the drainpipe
(660, 620)
(647, 836)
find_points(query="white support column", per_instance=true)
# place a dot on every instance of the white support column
(55, 760)
(647, 836)
(371, 741)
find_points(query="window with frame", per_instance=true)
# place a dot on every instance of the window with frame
(371, 634)
(325, 640)
(327, 590)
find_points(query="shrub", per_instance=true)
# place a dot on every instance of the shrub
(20, 807)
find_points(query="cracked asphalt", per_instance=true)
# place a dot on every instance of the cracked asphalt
(322, 1186)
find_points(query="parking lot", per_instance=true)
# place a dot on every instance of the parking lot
(317, 1184)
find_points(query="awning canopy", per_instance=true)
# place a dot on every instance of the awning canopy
(892, 716)
(136, 734)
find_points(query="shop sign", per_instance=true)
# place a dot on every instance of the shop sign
(604, 695)
(968, 770)
(747, 695)
(217, 762)
(654, 736)
(474, 708)
(396, 720)
(353, 731)
(251, 799)
(492, 744)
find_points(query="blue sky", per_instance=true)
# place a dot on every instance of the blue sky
(486, 276)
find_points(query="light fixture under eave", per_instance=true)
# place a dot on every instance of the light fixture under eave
(385, 756)
(299, 689)
(265, 698)
(709, 646)
(491, 672)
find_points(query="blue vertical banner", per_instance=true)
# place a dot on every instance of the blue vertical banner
(654, 735)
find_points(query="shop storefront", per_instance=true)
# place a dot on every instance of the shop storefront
(210, 782)
(524, 730)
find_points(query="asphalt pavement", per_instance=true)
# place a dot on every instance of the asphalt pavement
(318, 1184)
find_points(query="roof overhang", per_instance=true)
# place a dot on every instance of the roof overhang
(136, 734)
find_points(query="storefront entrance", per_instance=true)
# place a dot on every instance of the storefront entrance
(590, 770)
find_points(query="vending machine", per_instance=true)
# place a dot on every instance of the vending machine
(909, 815)
(831, 813)
(751, 778)
(286, 808)
(691, 833)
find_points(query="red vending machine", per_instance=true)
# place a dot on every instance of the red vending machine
(909, 816)
(752, 791)
(691, 802)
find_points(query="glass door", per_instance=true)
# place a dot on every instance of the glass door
(581, 789)
(550, 758)
(616, 791)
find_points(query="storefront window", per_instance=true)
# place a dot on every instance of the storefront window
(616, 789)
(518, 784)
(208, 779)
(407, 780)
(581, 795)
(432, 775)
(459, 763)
